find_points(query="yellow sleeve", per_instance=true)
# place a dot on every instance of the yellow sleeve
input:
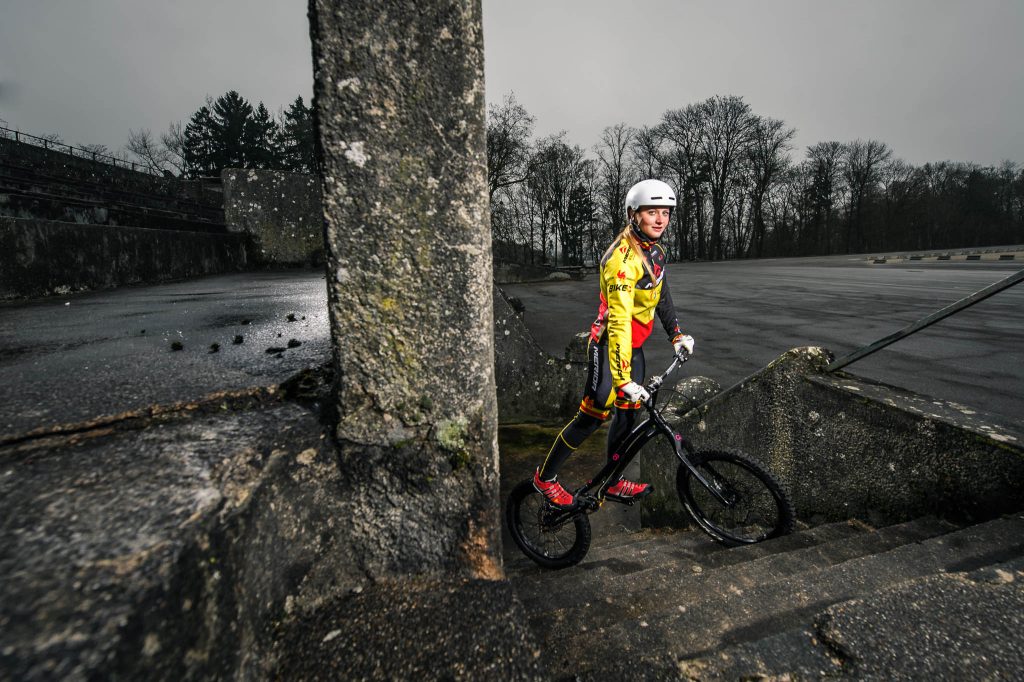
(618, 278)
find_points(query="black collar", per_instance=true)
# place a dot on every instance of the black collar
(645, 242)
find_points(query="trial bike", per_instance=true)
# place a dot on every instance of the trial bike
(730, 495)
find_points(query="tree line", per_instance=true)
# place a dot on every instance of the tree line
(741, 192)
(229, 132)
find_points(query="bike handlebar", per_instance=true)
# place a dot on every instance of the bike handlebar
(657, 380)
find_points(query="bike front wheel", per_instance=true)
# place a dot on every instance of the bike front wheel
(551, 537)
(756, 506)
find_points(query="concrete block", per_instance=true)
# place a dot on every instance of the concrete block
(846, 447)
(281, 212)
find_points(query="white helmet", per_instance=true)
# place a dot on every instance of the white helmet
(650, 193)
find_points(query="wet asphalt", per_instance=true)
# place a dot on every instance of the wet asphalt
(65, 359)
(744, 314)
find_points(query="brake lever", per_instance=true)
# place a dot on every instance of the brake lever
(657, 380)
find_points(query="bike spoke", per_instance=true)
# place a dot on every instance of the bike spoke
(754, 510)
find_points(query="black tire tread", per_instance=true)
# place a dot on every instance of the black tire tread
(574, 555)
(787, 516)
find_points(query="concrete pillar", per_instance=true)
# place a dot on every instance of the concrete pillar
(399, 109)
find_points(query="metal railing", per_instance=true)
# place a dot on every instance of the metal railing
(78, 152)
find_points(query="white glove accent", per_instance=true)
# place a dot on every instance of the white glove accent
(635, 392)
(683, 342)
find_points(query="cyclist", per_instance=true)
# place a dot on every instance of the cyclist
(633, 291)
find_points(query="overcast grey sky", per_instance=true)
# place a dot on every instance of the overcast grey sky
(935, 79)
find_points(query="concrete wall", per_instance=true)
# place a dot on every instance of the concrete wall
(281, 211)
(39, 257)
(845, 447)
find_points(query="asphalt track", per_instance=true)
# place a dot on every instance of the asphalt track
(66, 359)
(744, 314)
(70, 358)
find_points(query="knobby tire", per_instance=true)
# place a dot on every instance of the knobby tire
(760, 508)
(551, 545)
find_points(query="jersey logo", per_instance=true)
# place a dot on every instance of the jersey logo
(657, 270)
(621, 275)
(623, 365)
(623, 249)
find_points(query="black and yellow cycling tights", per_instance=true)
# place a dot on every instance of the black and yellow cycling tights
(598, 400)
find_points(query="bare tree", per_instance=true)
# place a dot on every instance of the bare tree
(146, 149)
(509, 127)
(96, 149)
(902, 224)
(730, 125)
(557, 170)
(826, 164)
(768, 160)
(173, 141)
(644, 150)
(863, 171)
(679, 136)
(614, 174)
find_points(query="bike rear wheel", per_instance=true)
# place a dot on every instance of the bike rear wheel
(758, 507)
(550, 537)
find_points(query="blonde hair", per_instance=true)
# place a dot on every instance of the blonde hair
(627, 234)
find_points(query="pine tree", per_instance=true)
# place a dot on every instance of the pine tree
(232, 116)
(229, 133)
(198, 148)
(297, 134)
(262, 140)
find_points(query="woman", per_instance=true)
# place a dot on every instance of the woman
(633, 291)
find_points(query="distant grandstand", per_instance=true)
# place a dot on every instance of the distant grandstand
(45, 180)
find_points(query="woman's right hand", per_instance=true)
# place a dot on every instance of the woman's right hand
(634, 392)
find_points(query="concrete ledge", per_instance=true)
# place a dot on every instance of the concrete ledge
(846, 447)
(532, 385)
(164, 548)
(985, 255)
(39, 257)
(513, 273)
(190, 541)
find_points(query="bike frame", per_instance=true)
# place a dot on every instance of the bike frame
(634, 441)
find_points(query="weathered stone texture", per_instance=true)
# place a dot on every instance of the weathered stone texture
(399, 111)
(169, 551)
(849, 448)
(961, 626)
(39, 257)
(413, 631)
(280, 211)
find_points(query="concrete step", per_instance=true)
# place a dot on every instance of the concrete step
(616, 568)
(689, 582)
(746, 611)
(869, 636)
(797, 654)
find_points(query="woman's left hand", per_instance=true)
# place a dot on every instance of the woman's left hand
(684, 342)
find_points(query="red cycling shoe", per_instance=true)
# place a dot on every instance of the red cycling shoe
(628, 491)
(553, 491)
